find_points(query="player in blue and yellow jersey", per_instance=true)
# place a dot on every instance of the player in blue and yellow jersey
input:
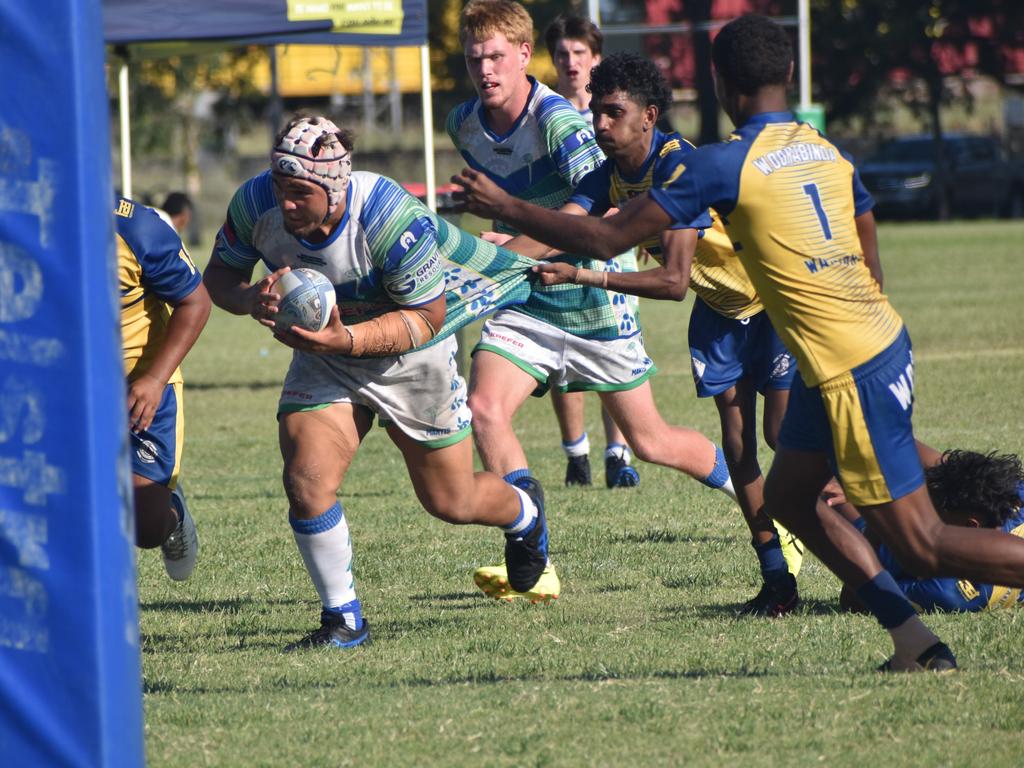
(799, 220)
(534, 144)
(735, 353)
(164, 307)
(973, 490)
(404, 280)
(575, 44)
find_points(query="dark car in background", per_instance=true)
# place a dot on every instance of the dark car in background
(904, 180)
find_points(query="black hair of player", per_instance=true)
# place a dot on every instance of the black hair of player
(634, 75)
(752, 52)
(176, 202)
(573, 27)
(983, 486)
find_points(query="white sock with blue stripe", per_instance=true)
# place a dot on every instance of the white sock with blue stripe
(527, 517)
(580, 447)
(326, 548)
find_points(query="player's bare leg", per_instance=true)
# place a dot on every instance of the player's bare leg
(497, 388)
(318, 447)
(569, 408)
(155, 520)
(792, 489)
(617, 458)
(655, 441)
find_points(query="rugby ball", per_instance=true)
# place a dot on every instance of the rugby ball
(307, 298)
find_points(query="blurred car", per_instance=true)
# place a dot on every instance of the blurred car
(902, 177)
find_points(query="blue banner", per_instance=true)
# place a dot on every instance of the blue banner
(70, 682)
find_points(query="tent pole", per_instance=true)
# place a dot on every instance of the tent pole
(428, 127)
(126, 135)
(804, 36)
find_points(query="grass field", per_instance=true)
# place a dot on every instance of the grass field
(641, 661)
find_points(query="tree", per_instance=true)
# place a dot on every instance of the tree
(861, 47)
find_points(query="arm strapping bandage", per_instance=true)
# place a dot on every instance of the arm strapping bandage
(591, 277)
(390, 334)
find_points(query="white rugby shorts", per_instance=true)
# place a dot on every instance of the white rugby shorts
(559, 359)
(420, 392)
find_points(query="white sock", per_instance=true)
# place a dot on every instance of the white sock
(579, 448)
(527, 514)
(326, 549)
(619, 451)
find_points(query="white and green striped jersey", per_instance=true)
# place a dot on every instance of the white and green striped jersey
(541, 159)
(388, 251)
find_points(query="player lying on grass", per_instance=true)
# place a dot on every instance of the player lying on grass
(404, 280)
(969, 489)
(796, 213)
(735, 352)
(156, 275)
(534, 143)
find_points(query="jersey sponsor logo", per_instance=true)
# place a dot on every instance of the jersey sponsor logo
(147, 452)
(794, 154)
(583, 136)
(124, 209)
(309, 258)
(816, 265)
(505, 151)
(407, 240)
(903, 388)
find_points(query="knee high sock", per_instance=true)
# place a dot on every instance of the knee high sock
(326, 549)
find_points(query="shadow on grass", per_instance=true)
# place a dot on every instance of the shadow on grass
(731, 610)
(215, 386)
(661, 536)
(230, 605)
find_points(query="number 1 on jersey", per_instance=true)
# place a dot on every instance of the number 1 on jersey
(811, 190)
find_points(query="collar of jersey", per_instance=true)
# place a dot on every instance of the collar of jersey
(338, 229)
(763, 118)
(657, 141)
(510, 131)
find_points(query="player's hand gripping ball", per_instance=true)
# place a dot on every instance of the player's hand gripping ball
(307, 298)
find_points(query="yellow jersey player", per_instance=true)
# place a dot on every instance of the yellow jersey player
(164, 307)
(798, 216)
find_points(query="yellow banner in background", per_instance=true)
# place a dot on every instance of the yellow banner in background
(367, 17)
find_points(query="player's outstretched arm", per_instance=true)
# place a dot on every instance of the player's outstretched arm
(186, 323)
(587, 235)
(527, 246)
(868, 235)
(667, 282)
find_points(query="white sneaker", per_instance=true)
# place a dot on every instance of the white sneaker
(182, 546)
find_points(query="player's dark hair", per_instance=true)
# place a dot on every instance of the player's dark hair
(983, 486)
(751, 52)
(573, 27)
(345, 136)
(177, 202)
(634, 75)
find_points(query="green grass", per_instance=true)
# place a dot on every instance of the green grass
(641, 661)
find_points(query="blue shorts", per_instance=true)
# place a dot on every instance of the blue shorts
(723, 351)
(156, 452)
(861, 421)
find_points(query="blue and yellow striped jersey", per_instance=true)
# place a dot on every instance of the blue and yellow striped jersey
(155, 272)
(788, 198)
(717, 275)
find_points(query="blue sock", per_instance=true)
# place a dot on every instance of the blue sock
(773, 565)
(886, 601)
(719, 473)
(517, 474)
(352, 612)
